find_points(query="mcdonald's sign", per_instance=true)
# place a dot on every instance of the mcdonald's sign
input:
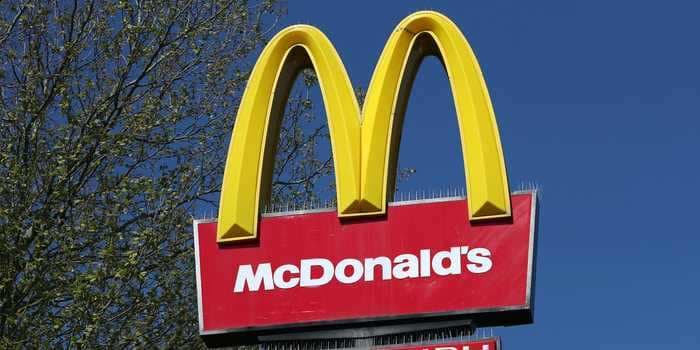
(372, 263)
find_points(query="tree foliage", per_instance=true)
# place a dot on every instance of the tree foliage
(115, 117)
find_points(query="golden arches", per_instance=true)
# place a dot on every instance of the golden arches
(250, 150)
(363, 150)
(421, 34)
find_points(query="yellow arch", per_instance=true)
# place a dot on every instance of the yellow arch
(363, 151)
(251, 150)
(418, 35)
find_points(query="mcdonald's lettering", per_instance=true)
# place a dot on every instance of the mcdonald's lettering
(443, 263)
(372, 264)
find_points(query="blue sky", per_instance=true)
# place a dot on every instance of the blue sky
(598, 102)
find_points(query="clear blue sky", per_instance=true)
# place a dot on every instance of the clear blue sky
(598, 102)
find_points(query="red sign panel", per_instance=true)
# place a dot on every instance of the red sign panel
(482, 344)
(422, 261)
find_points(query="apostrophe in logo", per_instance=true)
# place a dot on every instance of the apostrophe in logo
(364, 143)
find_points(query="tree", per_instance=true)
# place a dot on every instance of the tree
(115, 117)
